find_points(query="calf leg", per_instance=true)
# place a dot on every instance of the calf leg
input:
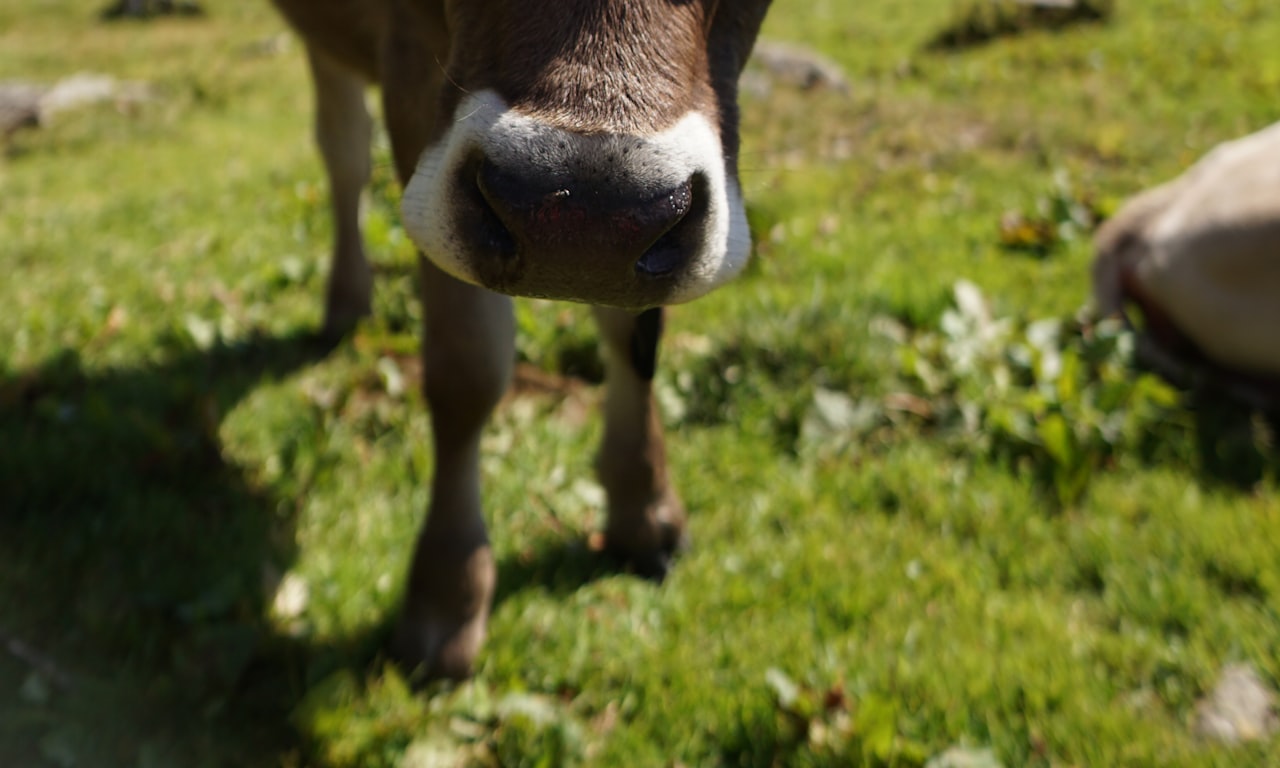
(468, 353)
(343, 131)
(646, 519)
(468, 348)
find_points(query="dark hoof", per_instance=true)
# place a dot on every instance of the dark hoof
(430, 654)
(653, 564)
(338, 327)
(346, 303)
(442, 623)
(321, 343)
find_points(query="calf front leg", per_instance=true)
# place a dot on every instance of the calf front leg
(646, 521)
(343, 130)
(468, 350)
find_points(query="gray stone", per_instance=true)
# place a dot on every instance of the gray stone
(796, 66)
(27, 104)
(1241, 708)
(964, 757)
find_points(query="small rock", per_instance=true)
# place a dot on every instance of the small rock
(794, 66)
(292, 597)
(19, 105)
(26, 104)
(87, 88)
(1240, 708)
(436, 753)
(963, 757)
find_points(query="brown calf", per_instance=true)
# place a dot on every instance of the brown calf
(570, 149)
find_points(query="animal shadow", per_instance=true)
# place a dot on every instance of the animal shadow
(137, 566)
(135, 563)
(556, 567)
(1235, 442)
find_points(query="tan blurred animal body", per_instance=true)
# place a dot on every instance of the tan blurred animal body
(1200, 256)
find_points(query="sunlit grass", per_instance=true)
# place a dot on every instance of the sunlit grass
(894, 552)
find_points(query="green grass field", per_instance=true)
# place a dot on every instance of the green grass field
(922, 516)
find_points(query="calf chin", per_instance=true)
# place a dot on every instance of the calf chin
(518, 206)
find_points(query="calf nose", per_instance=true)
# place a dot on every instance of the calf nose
(593, 221)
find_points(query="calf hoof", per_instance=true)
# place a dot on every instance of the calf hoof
(445, 614)
(439, 648)
(341, 319)
(347, 302)
(647, 542)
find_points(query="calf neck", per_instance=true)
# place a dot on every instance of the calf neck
(569, 149)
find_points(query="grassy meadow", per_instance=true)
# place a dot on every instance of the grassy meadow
(930, 508)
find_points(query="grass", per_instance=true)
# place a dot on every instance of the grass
(923, 516)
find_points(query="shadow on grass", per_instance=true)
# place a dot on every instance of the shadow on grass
(985, 21)
(1235, 443)
(135, 567)
(1234, 417)
(554, 566)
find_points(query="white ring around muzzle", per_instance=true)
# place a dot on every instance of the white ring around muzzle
(483, 123)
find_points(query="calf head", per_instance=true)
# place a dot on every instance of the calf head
(587, 149)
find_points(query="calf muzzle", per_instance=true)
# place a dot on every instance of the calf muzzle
(525, 208)
(568, 234)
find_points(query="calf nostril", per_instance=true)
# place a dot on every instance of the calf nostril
(499, 216)
(490, 215)
(671, 249)
(591, 219)
(662, 258)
